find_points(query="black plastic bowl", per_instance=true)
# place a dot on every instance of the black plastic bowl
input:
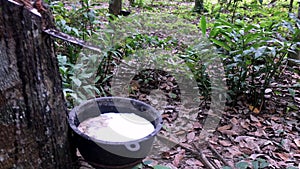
(104, 154)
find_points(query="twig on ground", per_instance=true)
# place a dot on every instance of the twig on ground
(197, 152)
(219, 155)
(204, 160)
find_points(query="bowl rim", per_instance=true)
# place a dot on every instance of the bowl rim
(72, 115)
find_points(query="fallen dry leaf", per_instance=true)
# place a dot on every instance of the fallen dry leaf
(190, 137)
(272, 135)
(233, 152)
(197, 125)
(226, 127)
(229, 132)
(297, 142)
(245, 124)
(259, 133)
(254, 109)
(225, 143)
(194, 162)
(234, 121)
(246, 150)
(178, 157)
(283, 156)
(165, 155)
(254, 119)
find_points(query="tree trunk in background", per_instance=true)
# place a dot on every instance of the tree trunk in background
(291, 5)
(298, 9)
(294, 58)
(198, 6)
(115, 7)
(33, 127)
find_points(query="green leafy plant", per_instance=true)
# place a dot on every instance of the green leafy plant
(79, 79)
(78, 20)
(258, 163)
(251, 53)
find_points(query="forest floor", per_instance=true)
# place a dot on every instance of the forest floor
(268, 138)
(257, 138)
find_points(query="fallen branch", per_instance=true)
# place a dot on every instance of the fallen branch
(198, 153)
(219, 156)
(203, 158)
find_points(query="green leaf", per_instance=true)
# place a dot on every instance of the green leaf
(251, 37)
(213, 33)
(259, 52)
(139, 166)
(203, 25)
(249, 27)
(242, 165)
(255, 164)
(221, 44)
(296, 85)
(76, 81)
(263, 163)
(226, 35)
(292, 167)
(224, 22)
(147, 162)
(75, 31)
(292, 92)
(161, 167)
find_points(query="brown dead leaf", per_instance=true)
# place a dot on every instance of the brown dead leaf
(187, 145)
(254, 119)
(190, 137)
(213, 142)
(246, 150)
(181, 132)
(194, 162)
(178, 157)
(134, 85)
(233, 152)
(197, 125)
(226, 127)
(225, 143)
(275, 118)
(245, 124)
(287, 144)
(283, 156)
(165, 155)
(297, 142)
(254, 109)
(259, 132)
(234, 121)
(240, 138)
(229, 132)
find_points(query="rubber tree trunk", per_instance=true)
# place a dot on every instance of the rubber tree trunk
(33, 127)
(115, 7)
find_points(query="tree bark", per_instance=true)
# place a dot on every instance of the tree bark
(33, 127)
(115, 7)
(198, 6)
(291, 5)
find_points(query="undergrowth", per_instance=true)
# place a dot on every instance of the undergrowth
(253, 40)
